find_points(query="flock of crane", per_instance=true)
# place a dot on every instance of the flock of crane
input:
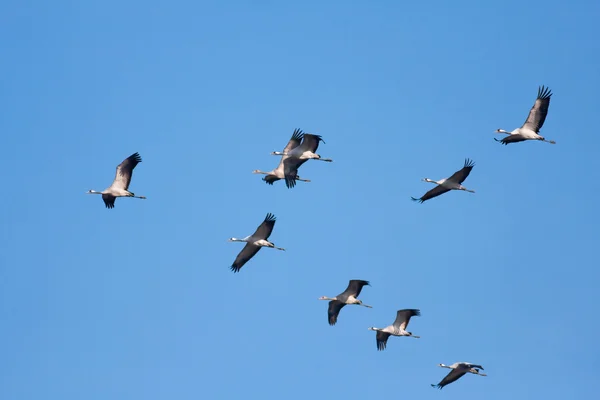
(301, 148)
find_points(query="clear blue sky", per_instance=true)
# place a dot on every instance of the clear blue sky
(138, 302)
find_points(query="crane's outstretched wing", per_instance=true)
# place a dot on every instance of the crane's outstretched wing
(264, 230)
(403, 317)
(436, 191)
(461, 175)
(354, 288)
(539, 111)
(270, 179)
(381, 338)
(511, 139)
(452, 376)
(334, 309)
(125, 170)
(311, 142)
(109, 200)
(290, 170)
(295, 141)
(246, 254)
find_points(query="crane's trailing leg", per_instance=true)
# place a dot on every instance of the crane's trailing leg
(137, 197)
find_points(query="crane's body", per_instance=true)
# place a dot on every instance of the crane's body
(533, 124)
(398, 328)
(301, 148)
(348, 296)
(292, 168)
(458, 370)
(120, 185)
(452, 183)
(255, 242)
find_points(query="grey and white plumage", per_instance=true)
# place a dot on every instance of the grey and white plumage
(458, 370)
(299, 154)
(348, 296)
(255, 242)
(120, 185)
(398, 328)
(452, 183)
(534, 122)
(278, 173)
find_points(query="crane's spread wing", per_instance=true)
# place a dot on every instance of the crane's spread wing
(354, 288)
(461, 175)
(264, 230)
(537, 114)
(403, 317)
(246, 254)
(270, 179)
(436, 191)
(381, 339)
(310, 142)
(125, 170)
(512, 139)
(290, 170)
(451, 377)
(295, 141)
(334, 309)
(109, 200)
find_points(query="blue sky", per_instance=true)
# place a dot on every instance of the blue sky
(139, 301)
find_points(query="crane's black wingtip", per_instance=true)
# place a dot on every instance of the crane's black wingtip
(270, 218)
(298, 134)
(235, 268)
(414, 199)
(290, 182)
(544, 92)
(135, 157)
(469, 162)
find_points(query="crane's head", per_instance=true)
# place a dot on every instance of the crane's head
(256, 171)
(90, 191)
(323, 298)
